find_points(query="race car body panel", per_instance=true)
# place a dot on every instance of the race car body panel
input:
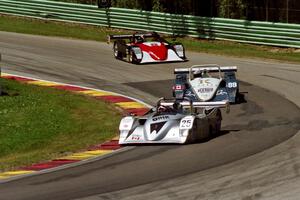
(205, 88)
(172, 125)
(157, 50)
(171, 57)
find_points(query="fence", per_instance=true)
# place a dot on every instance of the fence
(266, 33)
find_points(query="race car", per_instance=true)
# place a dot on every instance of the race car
(146, 48)
(207, 83)
(173, 121)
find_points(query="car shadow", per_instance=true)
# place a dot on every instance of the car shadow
(222, 133)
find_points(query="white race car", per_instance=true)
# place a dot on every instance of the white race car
(175, 121)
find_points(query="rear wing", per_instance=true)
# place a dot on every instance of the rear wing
(145, 35)
(209, 68)
(212, 104)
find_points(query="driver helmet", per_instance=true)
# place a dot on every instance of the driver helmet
(204, 74)
(162, 109)
(177, 106)
(140, 39)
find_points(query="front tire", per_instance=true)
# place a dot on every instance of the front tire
(131, 57)
(191, 138)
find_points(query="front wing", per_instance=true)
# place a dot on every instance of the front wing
(138, 136)
(172, 57)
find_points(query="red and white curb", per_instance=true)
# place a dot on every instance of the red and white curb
(127, 104)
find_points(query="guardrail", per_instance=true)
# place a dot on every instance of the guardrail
(266, 33)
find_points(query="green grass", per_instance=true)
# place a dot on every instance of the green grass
(86, 32)
(39, 123)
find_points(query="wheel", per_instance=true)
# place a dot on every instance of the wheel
(191, 138)
(131, 58)
(237, 97)
(218, 123)
(117, 53)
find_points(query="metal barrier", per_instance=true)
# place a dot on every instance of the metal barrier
(266, 33)
(0, 75)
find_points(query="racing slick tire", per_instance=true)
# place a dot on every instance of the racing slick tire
(131, 58)
(239, 97)
(117, 53)
(217, 129)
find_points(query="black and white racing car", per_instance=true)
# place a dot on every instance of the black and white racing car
(173, 121)
(206, 83)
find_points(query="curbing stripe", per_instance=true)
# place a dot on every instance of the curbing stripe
(95, 93)
(48, 165)
(128, 104)
(69, 87)
(87, 154)
(17, 78)
(115, 99)
(9, 174)
(137, 111)
(42, 83)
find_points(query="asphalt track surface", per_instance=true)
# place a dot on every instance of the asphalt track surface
(266, 119)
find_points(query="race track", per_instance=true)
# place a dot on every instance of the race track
(269, 117)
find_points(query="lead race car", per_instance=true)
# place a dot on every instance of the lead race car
(146, 48)
(173, 121)
(207, 83)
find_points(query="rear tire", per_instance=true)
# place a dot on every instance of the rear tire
(217, 130)
(117, 53)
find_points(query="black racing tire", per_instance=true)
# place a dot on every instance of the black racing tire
(191, 138)
(117, 53)
(237, 97)
(131, 57)
(217, 130)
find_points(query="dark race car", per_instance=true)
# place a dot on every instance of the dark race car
(146, 48)
(207, 83)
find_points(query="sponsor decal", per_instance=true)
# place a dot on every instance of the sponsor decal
(206, 81)
(164, 117)
(135, 137)
(205, 90)
(190, 93)
(221, 92)
(179, 87)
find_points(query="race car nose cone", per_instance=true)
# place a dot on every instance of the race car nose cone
(156, 50)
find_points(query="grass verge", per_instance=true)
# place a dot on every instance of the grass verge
(39, 123)
(86, 32)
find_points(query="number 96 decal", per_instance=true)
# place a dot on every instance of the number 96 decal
(186, 123)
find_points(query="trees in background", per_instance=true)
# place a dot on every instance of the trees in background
(263, 10)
